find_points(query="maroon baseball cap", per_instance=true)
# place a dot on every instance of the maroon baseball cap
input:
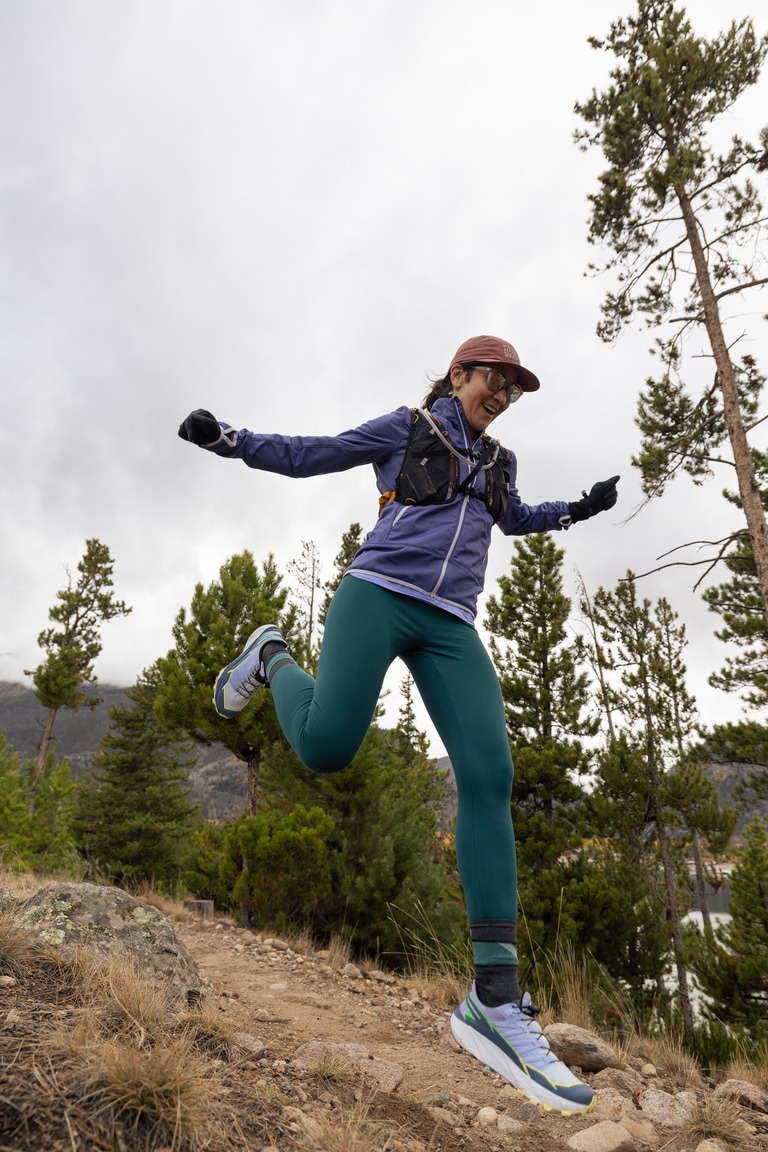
(492, 350)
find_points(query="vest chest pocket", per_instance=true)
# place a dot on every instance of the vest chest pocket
(431, 474)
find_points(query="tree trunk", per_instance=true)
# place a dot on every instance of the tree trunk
(244, 911)
(701, 885)
(670, 880)
(749, 490)
(670, 876)
(42, 756)
(254, 765)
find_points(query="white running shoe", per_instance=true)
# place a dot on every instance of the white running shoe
(236, 684)
(509, 1041)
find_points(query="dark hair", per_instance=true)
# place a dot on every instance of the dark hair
(444, 386)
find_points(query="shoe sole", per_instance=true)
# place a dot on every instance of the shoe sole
(489, 1053)
(222, 679)
(218, 696)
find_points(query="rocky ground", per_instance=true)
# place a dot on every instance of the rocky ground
(431, 1093)
(316, 1054)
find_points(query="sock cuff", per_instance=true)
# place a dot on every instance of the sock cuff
(494, 931)
(280, 660)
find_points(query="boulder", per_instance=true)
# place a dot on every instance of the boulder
(606, 1136)
(107, 920)
(745, 1093)
(664, 1108)
(580, 1048)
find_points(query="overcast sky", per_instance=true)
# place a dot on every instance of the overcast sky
(290, 212)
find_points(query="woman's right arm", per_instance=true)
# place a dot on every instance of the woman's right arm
(300, 456)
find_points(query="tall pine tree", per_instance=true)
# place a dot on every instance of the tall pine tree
(133, 815)
(644, 649)
(546, 696)
(220, 619)
(72, 647)
(684, 220)
(733, 968)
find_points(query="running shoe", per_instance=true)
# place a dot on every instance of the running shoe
(509, 1041)
(236, 684)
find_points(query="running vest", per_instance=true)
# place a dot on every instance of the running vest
(430, 471)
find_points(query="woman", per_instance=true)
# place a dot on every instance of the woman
(411, 591)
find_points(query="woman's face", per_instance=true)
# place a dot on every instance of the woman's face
(481, 405)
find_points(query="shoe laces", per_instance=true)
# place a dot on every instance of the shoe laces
(525, 1033)
(255, 679)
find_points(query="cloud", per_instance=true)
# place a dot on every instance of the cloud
(290, 213)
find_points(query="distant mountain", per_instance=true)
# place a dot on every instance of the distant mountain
(75, 734)
(218, 781)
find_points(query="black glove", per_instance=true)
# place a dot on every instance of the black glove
(200, 427)
(602, 496)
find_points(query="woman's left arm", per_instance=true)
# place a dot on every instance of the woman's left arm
(519, 519)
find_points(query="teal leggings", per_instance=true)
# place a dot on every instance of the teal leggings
(325, 719)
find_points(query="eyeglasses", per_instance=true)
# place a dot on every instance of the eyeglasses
(496, 380)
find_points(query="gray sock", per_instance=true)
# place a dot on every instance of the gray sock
(497, 984)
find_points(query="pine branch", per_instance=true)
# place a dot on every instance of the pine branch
(710, 562)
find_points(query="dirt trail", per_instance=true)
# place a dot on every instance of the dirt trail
(285, 1000)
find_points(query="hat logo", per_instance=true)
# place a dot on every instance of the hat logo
(508, 351)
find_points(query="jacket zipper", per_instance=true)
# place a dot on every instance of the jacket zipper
(450, 551)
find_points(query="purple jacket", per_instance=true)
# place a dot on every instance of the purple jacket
(434, 552)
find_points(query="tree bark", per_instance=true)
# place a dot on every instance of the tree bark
(670, 875)
(749, 490)
(670, 879)
(701, 886)
(254, 765)
(42, 756)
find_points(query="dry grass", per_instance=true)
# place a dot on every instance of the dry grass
(338, 952)
(572, 987)
(209, 1031)
(442, 974)
(667, 1054)
(159, 1094)
(742, 1068)
(16, 943)
(719, 1120)
(23, 883)
(124, 998)
(300, 941)
(348, 1130)
(171, 907)
(131, 1063)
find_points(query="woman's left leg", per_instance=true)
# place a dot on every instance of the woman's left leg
(460, 688)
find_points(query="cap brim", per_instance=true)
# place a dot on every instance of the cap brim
(527, 381)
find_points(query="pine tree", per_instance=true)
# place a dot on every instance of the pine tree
(387, 857)
(684, 223)
(72, 649)
(50, 838)
(14, 817)
(546, 697)
(305, 589)
(733, 969)
(288, 870)
(645, 649)
(133, 815)
(739, 602)
(350, 542)
(220, 619)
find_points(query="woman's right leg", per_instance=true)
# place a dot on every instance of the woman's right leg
(325, 719)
